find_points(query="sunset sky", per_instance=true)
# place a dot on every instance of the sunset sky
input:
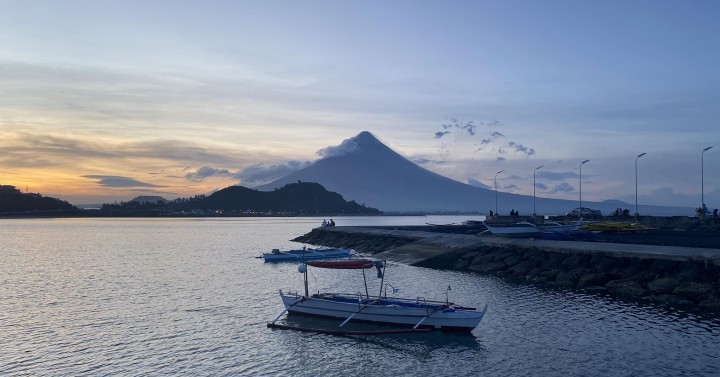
(102, 101)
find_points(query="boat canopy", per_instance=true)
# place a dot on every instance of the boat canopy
(353, 264)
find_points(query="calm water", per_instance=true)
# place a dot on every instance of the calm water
(187, 297)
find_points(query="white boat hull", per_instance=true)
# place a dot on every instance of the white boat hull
(386, 311)
(513, 230)
(309, 254)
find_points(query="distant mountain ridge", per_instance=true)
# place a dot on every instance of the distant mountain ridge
(367, 171)
(301, 198)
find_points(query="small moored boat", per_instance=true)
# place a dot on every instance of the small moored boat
(516, 230)
(305, 254)
(413, 315)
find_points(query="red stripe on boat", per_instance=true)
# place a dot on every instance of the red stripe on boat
(353, 264)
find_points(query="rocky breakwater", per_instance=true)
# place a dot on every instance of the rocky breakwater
(667, 274)
(355, 238)
(674, 280)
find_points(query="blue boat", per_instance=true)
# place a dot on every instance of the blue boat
(305, 254)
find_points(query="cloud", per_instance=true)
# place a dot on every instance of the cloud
(116, 181)
(476, 183)
(427, 161)
(259, 174)
(440, 134)
(510, 187)
(563, 187)
(500, 158)
(527, 151)
(207, 172)
(493, 136)
(347, 146)
(541, 186)
(554, 176)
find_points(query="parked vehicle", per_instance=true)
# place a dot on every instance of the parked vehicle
(584, 211)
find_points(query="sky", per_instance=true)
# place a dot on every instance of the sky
(102, 101)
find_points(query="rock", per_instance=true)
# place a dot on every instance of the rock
(694, 291)
(596, 279)
(483, 259)
(538, 274)
(625, 268)
(626, 287)
(712, 301)
(566, 279)
(502, 256)
(606, 264)
(663, 285)
(663, 265)
(595, 289)
(512, 260)
(689, 272)
(554, 260)
(645, 276)
(576, 261)
(489, 267)
(523, 268)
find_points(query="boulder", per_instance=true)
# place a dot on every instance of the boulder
(663, 285)
(483, 259)
(488, 268)
(553, 260)
(605, 264)
(712, 301)
(596, 279)
(566, 279)
(576, 261)
(538, 274)
(523, 268)
(663, 265)
(693, 290)
(513, 260)
(626, 287)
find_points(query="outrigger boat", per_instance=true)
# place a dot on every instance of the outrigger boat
(305, 254)
(413, 315)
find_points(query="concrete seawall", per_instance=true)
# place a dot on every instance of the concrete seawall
(667, 274)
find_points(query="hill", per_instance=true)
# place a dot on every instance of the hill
(292, 199)
(13, 200)
(367, 171)
(301, 197)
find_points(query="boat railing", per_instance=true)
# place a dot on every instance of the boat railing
(417, 300)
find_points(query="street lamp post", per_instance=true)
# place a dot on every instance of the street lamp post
(496, 196)
(581, 164)
(536, 169)
(636, 182)
(702, 178)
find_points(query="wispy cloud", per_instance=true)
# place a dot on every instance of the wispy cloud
(206, 172)
(563, 187)
(118, 182)
(260, 174)
(476, 183)
(555, 176)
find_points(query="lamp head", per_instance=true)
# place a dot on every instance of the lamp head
(584, 162)
(539, 167)
(707, 149)
(641, 154)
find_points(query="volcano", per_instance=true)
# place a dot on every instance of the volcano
(365, 170)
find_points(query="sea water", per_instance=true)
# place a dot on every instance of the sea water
(169, 297)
